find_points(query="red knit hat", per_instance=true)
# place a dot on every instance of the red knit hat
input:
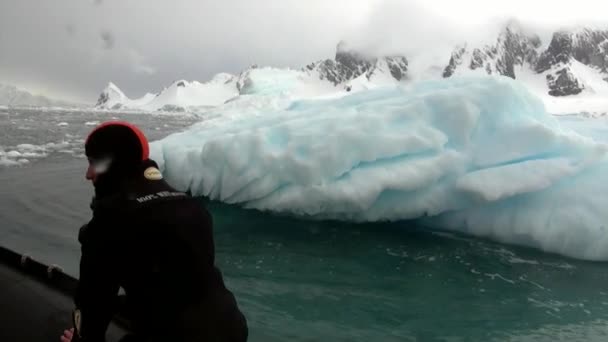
(119, 139)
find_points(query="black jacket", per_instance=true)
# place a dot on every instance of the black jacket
(157, 244)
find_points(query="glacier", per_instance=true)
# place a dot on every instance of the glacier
(180, 95)
(478, 155)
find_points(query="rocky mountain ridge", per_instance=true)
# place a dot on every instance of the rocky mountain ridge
(515, 52)
(569, 64)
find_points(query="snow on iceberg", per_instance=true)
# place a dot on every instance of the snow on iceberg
(478, 155)
(290, 83)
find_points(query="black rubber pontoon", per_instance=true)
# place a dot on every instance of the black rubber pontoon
(36, 301)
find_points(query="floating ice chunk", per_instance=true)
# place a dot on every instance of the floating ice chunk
(63, 124)
(91, 123)
(26, 147)
(57, 146)
(8, 162)
(13, 154)
(29, 147)
(33, 155)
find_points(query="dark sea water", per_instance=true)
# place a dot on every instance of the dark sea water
(316, 281)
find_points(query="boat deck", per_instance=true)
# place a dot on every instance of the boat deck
(32, 309)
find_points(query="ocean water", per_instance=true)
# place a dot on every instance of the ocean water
(334, 281)
(320, 281)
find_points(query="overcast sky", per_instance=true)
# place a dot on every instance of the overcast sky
(71, 48)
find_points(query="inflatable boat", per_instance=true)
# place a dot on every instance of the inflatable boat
(36, 301)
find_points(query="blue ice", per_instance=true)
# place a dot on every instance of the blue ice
(476, 155)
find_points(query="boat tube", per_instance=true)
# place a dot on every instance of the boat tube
(36, 301)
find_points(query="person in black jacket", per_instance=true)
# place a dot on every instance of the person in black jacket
(154, 242)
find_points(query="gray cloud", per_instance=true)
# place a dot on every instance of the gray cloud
(144, 45)
(108, 39)
(70, 30)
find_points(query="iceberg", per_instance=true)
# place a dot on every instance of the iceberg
(478, 155)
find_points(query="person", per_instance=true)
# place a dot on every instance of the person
(154, 242)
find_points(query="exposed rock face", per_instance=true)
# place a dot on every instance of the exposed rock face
(558, 52)
(456, 61)
(563, 83)
(589, 47)
(397, 66)
(349, 65)
(515, 49)
(110, 97)
(104, 97)
(512, 48)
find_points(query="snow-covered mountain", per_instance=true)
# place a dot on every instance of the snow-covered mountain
(570, 73)
(176, 97)
(112, 98)
(569, 49)
(349, 65)
(350, 70)
(15, 97)
(574, 61)
(513, 48)
(186, 94)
